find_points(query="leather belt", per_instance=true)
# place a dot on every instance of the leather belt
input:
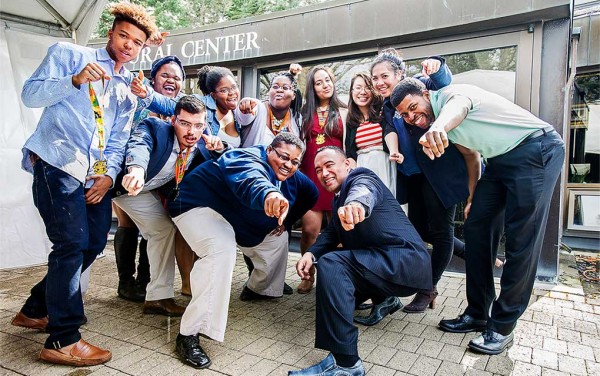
(538, 133)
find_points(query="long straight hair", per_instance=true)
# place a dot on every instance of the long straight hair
(355, 117)
(311, 102)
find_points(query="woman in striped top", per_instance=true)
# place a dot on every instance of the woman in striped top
(364, 137)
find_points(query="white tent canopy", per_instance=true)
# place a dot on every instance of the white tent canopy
(29, 27)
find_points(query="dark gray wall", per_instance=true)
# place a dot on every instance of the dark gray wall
(553, 78)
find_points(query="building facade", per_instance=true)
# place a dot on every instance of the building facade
(519, 49)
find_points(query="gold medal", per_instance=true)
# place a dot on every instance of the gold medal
(100, 167)
(320, 140)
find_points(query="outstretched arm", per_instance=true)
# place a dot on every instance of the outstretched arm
(435, 140)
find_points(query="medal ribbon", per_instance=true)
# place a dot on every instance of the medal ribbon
(98, 116)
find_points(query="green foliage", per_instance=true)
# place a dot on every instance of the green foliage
(181, 14)
(589, 84)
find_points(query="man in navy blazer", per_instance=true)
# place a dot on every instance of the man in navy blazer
(157, 155)
(381, 256)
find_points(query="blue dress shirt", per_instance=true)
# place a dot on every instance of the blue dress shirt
(66, 135)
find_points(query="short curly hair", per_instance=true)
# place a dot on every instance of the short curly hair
(135, 15)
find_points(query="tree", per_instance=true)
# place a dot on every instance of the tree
(181, 14)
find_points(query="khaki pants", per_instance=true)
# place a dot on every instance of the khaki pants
(151, 218)
(212, 238)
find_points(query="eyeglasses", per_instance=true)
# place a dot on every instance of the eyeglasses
(358, 89)
(284, 158)
(228, 90)
(284, 87)
(187, 125)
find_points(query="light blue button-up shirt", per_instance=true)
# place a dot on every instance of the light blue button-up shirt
(66, 135)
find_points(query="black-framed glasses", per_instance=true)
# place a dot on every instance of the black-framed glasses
(187, 125)
(284, 158)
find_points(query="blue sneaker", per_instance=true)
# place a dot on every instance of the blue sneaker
(327, 367)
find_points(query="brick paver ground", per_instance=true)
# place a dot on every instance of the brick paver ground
(557, 335)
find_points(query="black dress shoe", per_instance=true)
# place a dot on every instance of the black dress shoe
(188, 348)
(490, 342)
(129, 290)
(248, 295)
(287, 289)
(379, 311)
(462, 324)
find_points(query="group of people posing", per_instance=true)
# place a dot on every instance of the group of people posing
(200, 177)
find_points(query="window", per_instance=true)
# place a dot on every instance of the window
(584, 128)
(493, 70)
(343, 71)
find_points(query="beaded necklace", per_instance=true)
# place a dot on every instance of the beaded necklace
(279, 125)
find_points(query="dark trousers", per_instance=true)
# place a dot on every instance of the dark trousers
(433, 222)
(342, 281)
(78, 233)
(515, 191)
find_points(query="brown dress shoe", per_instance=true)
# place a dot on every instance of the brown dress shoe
(166, 307)
(81, 354)
(28, 322)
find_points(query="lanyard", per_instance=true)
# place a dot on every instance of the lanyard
(180, 165)
(99, 166)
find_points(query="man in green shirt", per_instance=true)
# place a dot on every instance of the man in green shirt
(524, 157)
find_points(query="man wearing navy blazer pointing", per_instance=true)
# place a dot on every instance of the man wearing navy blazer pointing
(381, 256)
(157, 155)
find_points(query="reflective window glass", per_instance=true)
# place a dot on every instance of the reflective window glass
(584, 128)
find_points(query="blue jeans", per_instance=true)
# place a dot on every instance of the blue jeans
(78, 233)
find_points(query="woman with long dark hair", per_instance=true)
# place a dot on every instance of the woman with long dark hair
(431, 197)
(364, 133)
(322, 125)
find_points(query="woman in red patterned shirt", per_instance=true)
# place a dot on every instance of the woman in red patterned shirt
(323, 114)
